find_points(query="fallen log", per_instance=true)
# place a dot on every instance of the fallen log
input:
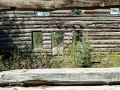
(78, 76)
(63, 88)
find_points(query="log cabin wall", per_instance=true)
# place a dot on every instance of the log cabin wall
(17, 27)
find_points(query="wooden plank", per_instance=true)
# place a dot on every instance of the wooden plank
(76, 76)
(106, 87)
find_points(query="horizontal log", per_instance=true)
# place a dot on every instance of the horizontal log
(17, 12)
(114, 87)
(15, 35)
(33, 30)
(105, 46)
(60, 12)
(58, 15)
(47, 42)
(58, 22)
(38, 51)
(61, 19)
(109, 49)
(68, 37)
(68, 34)
(15, 39)
(46, 38)
(68, 41)
(102, 33)
(60, 4)
(15, 46)
(78, 76)
(96, 11)
(102, 37)
(101, 30)
(105, 41)
(16, 43)
(46, 34)
(47, 46)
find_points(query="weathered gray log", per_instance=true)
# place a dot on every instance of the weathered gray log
(47, 42)
(18, 12)
(15, 39)
(16, 35)
(102, 33)
(23, 31)
(57, 22)
(56, 4)
(105, 41)
(58, 15)
(105, 46)
(78, 76)
(115, 87)
(62, 19)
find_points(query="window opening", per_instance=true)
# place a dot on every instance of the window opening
(43, 13)
(37, 40)
(114, 10)
(57, 43)
(76, 12)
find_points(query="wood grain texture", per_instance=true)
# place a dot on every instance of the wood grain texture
(78, 76)
(55, 4)
(105, 87)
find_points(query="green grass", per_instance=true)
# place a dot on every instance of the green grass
(78, 54)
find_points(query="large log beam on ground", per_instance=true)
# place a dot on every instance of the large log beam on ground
(63, 88)
(78, 76)
(55, 4)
